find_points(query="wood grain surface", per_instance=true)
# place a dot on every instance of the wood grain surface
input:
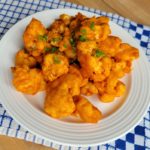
(136, 10)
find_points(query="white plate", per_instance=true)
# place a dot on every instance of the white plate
(28, 110)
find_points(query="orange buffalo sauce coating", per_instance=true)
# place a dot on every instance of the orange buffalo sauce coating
(74, 56)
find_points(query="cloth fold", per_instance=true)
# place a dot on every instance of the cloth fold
(11, 11)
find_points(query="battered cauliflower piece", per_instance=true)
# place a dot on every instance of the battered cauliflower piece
(54, 38)
(109, 90)
(120, 89)
(86, 47)
(68, 45)
(110, 45)
(59, 102)
(95, 68)
(87, 111)
(35, 38)
(105, 70)
(76, 22)
(73, 79)
(66, 18)
(89, 89)
(58, 26)
(23, 58)
(54, 66)
(119, 68)
(89, 65)
(127, 53)
(28, 81)
(93, 32)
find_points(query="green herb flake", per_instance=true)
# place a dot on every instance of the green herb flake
(47, 49)
(56, 60)
(56, 39)
(92, 26)
(82, 38)
(65, 46)
(72, 42)
(83, 31)
(99, 53)
(54, 49)
(43, 37)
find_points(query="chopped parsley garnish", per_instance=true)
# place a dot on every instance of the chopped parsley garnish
(54, 49)
(92, 25)
(65, 46)
(47, 49)
(43, 37)
(72, 42)
(82, 38)
(56, 39)
(99, 53)
(83, 31)
(56, 60)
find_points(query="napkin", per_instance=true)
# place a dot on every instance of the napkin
(11, 11)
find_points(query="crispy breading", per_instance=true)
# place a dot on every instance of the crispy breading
(89, 89)
(54, 66)
(86, 110)
(59, 102)
(127, 53)
(110, 45)
(28, 81)
(35, 38)
(23, 58)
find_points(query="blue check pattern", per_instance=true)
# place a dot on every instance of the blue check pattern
(11, 11)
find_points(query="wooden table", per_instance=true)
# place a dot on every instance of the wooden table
(136, 10)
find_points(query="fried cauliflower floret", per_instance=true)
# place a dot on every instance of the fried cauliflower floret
(28, 81)
(86, 110)
(76, 22)
(35, 38)
(93, 67)
(89, 64)
(65, 18)
(89, 89)
(73, 80)
(86, 47)
(68, 45)
(23, 58)
(54, 38)
(59, 102)
(58, 26)
(127, 53)
(120, 89)
(93, 32)
(105, 70)
(110, 88)
(110, 45)
(54, 66)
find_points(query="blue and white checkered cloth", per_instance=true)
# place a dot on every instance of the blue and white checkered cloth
(11, 11)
